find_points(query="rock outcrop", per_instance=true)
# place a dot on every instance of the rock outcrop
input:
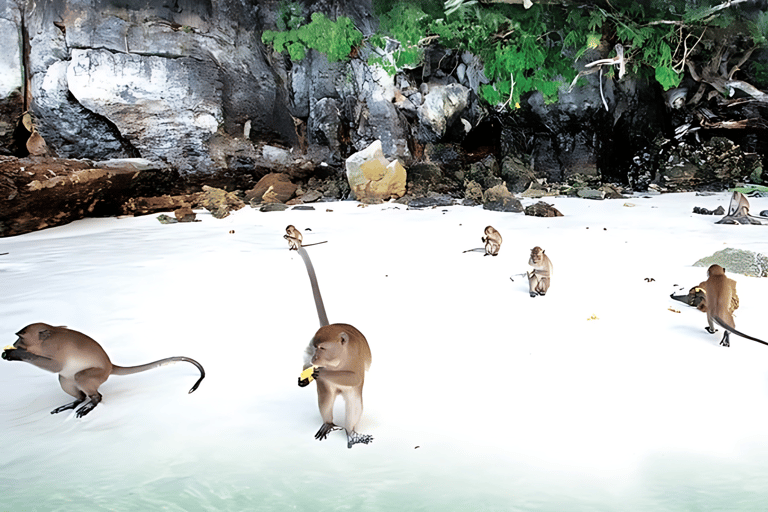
(373, 178)
(37, 193)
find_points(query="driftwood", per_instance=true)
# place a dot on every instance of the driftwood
(719, 76)
(738, 212)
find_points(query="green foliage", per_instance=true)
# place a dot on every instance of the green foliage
(759, 30)
(290, 16)
(518, 49)
(333, 38)
(760, 72)
(406, 23)
(523, 50)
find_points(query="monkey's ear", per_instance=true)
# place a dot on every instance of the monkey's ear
(344, 337)
(44, 334)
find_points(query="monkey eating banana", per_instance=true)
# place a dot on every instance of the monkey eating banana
(337, 358)
(539, 279)
(295, 239)
(82, 364)
(492, 240)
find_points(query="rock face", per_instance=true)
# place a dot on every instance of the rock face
(151, 78)
(373, 178)
(140, 94)
(442, 106)
(37, 193)
(718, 161)
(190, 85)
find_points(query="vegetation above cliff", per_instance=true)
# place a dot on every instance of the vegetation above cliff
(534, 49)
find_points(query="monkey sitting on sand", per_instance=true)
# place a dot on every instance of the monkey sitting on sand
(539, 278)
(294, 238)
(492, 241)
(80, 361)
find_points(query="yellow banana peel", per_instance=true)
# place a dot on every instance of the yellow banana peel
(307, 374)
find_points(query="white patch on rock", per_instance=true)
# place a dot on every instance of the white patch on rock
(374, 178)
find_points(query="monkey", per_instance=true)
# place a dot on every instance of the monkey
(720, 301)
(82, 364)
(340, 356)
(539, 278)
(294, 238)
(492, 241)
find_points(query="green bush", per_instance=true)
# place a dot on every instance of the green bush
(333, 38)
(523, 50)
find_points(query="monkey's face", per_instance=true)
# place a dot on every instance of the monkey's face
(328, 353)
(537, 255)
(26, 340)
(29, 339)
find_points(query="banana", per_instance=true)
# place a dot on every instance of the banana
(306, 375)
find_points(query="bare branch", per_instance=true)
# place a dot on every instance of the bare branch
(741, 62)
(749, 89)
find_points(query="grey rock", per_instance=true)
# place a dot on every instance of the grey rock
(441, 107)
(431, 201)
(738, 261)
(589, 193)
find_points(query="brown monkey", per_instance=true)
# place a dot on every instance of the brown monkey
(492, 241)
(79, 360)
(720, 301)
(340, 356)
(539, 278)
(294, 238)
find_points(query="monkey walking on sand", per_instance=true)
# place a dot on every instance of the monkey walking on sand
(337, 358)
(719, 301)
(82, 364)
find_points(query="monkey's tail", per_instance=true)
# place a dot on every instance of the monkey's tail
(727, 327)
(128, 370)
(315, 288)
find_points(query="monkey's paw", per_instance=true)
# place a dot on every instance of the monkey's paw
(326, 429)
(85, 409)
(355, 438)
(307, 376)
(710, 330)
